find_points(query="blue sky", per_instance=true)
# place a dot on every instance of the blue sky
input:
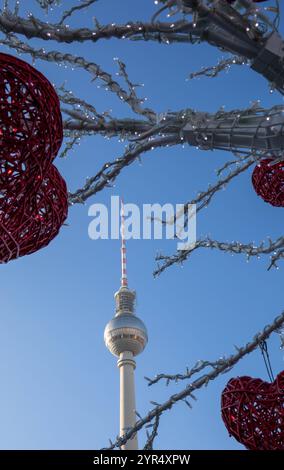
(59, 384)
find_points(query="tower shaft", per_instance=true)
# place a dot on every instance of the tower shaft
(127, 365)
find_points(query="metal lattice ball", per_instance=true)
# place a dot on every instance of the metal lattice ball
(32, 224)
(268, 182)
(253, 412)
(31, 131)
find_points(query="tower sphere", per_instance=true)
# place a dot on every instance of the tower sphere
(125, 332)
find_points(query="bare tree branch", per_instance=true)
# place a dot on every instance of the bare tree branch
(95, 70)
(152, 436)
(83, 5)
(69, 145)
(198, 367)
(205, 197)
(274, 249)
(87, 110)
(36, 28)
(215, 70)
(110, 170)
(113, 127)
(45, 4)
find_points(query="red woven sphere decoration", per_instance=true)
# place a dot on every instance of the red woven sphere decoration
(36, 221)
(253, 412)
(30, 124)
(268, 182)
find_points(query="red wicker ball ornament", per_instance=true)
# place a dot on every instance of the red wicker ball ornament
(268, 182)
(253, 412)
(30, 124)
(36, 221)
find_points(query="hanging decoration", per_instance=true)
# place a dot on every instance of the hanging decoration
(33, 195)
(253, 412)
(268, 182)
(31, 130)
(37, 220)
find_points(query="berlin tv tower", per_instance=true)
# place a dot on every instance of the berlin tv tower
(126, 336)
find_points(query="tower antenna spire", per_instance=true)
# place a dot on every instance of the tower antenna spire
(124, 280)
